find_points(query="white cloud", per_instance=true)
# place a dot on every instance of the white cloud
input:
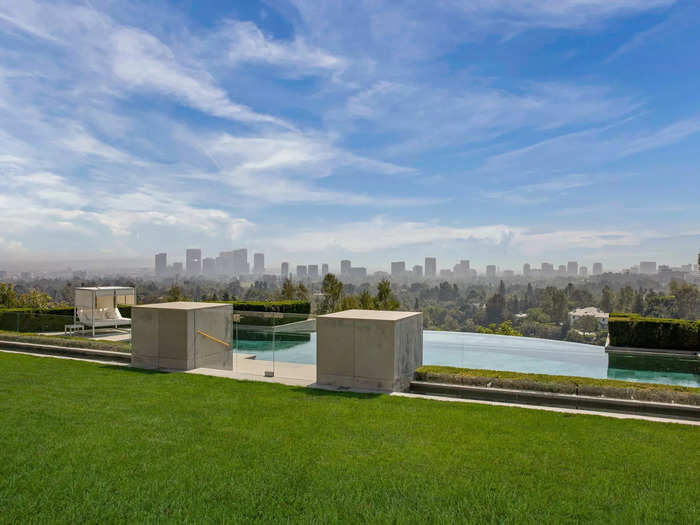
(440, 117)
(557, 13)
(141, 60)
(543, 191)
(382, 234)
(249, 44)
(572, 151)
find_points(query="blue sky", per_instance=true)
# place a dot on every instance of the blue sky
(501, 131)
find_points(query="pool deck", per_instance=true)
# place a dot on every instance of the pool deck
(247, 368)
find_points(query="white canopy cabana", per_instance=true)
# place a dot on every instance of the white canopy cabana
(96, 306)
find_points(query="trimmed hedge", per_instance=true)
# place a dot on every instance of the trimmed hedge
(584, 386)
(632, 330)
(26, 320)
(54, 319)
(284, 307)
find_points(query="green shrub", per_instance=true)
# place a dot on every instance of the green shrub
(284, 307)
(645, 332)
(25, 320)
(559, 384)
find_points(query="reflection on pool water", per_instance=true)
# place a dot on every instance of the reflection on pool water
(494, 352)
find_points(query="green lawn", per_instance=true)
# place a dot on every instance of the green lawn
(84, 442)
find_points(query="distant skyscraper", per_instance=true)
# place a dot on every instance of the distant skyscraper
(324, 269)
(209, 266)
(561, 269)
(240, 262)
(547, 268)
(418, 271)
(313, 271)
(258, 263)
(177, 268)
(285, 270)
(430, 267)
(572, 268)
(161, 264)
(358, 272)
(345, 266)
(583, 271)
(301, 271)
(526, 269)
(193, 261)
(647, 267)
(491, 271)
(461, 268)
(597, 268)
(398, 268)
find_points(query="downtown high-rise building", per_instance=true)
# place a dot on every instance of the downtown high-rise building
(240, 262)
(547, 268)
(284, 270)
(491, 271)
(193, 261)
(430, 267)
(161, 264)
(647, 267)
(209, 266)
(345, 266)
(312, 271)
(358, 272)
(461, 269)
(324, 269)
(572, 268)
(258, 263)
(398, 268)
(527, 270)
(597, 268)
(301, 271)
(418, 271)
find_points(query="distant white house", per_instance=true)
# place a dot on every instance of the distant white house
(590, 311)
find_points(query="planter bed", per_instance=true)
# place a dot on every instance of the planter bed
(582, 386)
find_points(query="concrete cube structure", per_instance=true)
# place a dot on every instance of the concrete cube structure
(371, 349)
(182, 336)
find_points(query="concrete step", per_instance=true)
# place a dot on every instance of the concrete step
(39, 348)
(527, 397)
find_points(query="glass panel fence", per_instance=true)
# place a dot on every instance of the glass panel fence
(264, 342)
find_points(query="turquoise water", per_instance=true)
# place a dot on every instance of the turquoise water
(494, 352)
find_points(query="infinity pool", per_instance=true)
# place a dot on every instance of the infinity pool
(494, 352)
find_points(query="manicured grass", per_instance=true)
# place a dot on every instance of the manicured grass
(65, 340)
(85, 442)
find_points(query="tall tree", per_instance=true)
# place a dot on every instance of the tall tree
(607, 300)
(385, 298)
(332, 289)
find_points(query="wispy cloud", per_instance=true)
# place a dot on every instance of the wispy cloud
(248, 44)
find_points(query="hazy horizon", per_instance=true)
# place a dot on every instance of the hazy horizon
(502, 132)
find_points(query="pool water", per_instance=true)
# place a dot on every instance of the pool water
(493, 352)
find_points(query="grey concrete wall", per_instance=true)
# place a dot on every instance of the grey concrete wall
(373, 350)
(164, 336)
(208, 353)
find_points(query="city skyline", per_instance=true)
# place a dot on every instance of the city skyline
(462, 269)
(545, 131)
